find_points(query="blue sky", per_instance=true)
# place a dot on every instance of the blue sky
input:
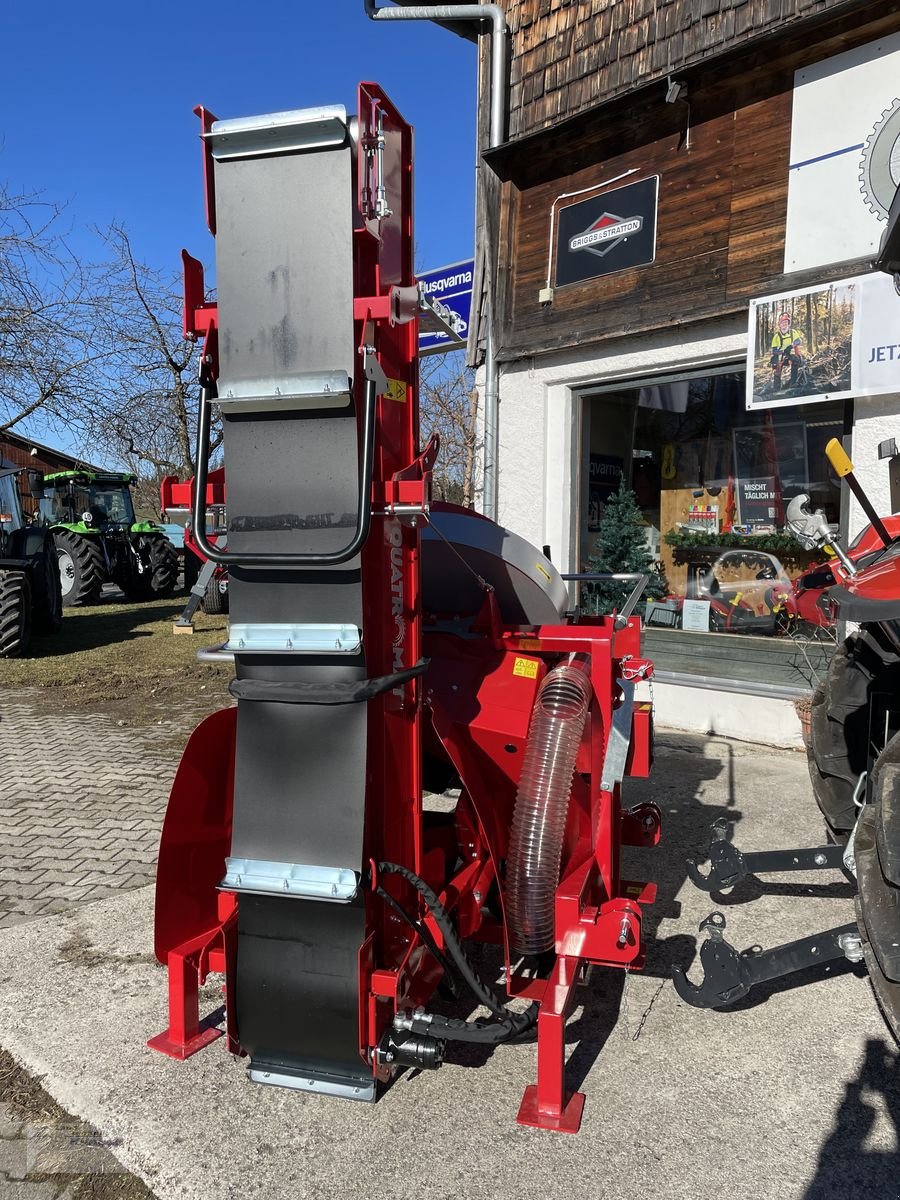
(96, 100)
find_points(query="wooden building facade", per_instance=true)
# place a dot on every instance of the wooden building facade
(761, 139)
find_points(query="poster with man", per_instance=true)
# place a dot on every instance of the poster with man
(800, 346)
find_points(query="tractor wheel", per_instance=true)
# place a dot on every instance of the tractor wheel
(877, 851)
(838, 749)
(163, 564)
(15, 614)
(47, 591)
(214, 601)
(160, 573)
(191, 569)
(82, 570)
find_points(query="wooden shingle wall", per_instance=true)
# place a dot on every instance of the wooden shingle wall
(568, 55)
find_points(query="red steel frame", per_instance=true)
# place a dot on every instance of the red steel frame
(473, 709)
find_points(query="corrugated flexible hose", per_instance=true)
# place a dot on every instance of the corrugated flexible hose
(542, 805)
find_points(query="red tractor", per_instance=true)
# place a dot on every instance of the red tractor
(383, 646)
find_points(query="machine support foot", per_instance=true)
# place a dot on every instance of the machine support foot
(185, 623)
(567, 1120)
(728, 865)
(185, 1035)
(545, 1104)
(729, 974)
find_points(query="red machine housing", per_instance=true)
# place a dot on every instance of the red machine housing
(468, 715)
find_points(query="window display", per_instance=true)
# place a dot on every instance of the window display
(713, 483)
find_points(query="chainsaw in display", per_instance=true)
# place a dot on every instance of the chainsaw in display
(385, 647)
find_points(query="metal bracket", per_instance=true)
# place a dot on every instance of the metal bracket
(619, 739)
(336, 884)
(728, 865)
(372, 368)
(350, 1088)
(728, 974)
(294, 639)
(278, 133)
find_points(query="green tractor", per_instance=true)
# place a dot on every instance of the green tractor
(98, 539)
(30, 598)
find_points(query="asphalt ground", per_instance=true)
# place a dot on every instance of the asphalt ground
(792, 1093)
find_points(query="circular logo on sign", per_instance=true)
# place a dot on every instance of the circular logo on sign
(879, 174)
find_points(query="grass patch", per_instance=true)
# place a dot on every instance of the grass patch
(123, 659)
(25, 1100)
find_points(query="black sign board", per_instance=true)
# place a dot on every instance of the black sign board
(759, 500)
(610, 232)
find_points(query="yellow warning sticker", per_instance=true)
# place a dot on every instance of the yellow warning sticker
(543, 571)
(527, 668)
(397, 390)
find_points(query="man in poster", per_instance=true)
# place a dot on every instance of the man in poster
(786, 348)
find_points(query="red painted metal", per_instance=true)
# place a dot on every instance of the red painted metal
(472, 712)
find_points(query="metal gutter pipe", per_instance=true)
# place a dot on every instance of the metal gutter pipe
(495, 14)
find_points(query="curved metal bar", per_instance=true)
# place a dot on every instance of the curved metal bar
(332, 559)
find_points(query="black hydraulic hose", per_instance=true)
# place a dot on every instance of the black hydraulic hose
(508, 1026)
(421, 931)
(482, 991)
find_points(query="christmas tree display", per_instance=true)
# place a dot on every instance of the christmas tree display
(620, 548)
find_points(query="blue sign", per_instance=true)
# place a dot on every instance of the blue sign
(450, 290)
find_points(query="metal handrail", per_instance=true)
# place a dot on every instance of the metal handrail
(332, 559)
(630, 604)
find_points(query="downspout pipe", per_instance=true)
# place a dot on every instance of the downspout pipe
(495, 14)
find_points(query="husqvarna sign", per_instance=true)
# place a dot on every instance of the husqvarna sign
(614, 231)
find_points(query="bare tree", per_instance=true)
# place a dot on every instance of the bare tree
(449, 407)
(49, 352)
(148, 413)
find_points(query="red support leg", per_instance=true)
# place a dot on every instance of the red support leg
(184, 1036)
(545, 1105)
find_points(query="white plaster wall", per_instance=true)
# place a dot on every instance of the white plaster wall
(875, 418)
(749, 718)
(538, 458)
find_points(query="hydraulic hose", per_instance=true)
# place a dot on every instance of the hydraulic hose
(483, 991)
(506, 1024)
(542, 805)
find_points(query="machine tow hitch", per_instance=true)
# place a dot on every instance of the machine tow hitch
(729, 974)
(728, 865)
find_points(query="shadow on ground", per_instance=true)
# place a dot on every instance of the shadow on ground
(103, 624)
(845, 1167)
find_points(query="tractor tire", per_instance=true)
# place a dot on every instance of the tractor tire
(838, 750)
(15, 614)
(161, 574)
(47, 591)
(163, 564)
(877, 850)
(82, 569)
(191, 569)
(214, 601)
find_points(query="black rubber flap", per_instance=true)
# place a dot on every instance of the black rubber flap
(300, 781)
(284, 691)
(297, 994)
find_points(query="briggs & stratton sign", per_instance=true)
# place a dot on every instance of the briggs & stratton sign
(610, 232)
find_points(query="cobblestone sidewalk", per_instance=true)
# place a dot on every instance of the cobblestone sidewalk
(81, 807)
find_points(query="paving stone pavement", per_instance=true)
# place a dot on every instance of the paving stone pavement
(81, 807)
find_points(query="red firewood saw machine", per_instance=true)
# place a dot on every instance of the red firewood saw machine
(382, 645)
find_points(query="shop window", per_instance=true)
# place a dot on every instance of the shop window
(713, 483)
